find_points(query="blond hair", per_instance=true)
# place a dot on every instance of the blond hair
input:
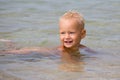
(74, 15)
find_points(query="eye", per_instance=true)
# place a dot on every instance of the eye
(72, 32)
(62, 32)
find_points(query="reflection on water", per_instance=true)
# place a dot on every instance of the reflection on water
(71, 61)
(35, 23)
(79, 66)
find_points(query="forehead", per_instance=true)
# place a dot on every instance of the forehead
(69, 24)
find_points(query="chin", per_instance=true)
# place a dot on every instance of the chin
(68, 46)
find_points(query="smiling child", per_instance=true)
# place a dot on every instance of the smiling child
(72, 31)
(71, 26)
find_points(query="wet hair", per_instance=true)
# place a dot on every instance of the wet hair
(74, 15)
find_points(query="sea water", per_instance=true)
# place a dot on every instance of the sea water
(34, 23)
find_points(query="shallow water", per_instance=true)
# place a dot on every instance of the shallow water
(29, 23)
(97, 66)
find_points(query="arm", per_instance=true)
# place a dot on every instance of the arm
(25, 51)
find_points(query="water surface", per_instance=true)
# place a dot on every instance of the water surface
(29, 23)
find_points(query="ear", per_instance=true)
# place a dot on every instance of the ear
(83, 33)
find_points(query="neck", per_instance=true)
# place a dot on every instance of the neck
(73, 52)
(73, 49)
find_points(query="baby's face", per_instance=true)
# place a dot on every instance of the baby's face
(70, 33)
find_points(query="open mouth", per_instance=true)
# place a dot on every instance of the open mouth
(68, 42)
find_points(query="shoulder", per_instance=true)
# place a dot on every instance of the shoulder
(86, 49)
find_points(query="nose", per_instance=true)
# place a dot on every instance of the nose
(67, 35)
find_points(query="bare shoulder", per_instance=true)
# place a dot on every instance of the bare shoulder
(86, 49)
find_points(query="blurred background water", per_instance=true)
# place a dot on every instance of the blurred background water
(35, 23)
(30, 23)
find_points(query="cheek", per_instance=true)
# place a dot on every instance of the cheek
(61, 37)
(76, 38)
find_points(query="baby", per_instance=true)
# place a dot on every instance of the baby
(71, 26)
(72, 31)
